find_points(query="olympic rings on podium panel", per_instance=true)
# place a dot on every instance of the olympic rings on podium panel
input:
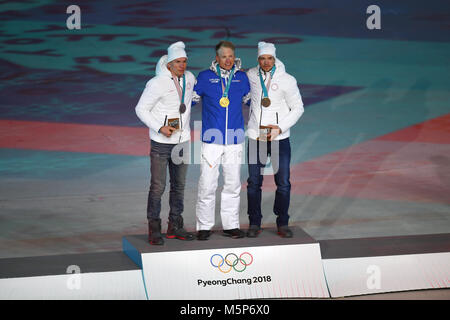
(211, 260)
(232, 261)
(247, 253)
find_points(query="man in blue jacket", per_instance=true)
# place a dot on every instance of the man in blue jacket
(223, 88)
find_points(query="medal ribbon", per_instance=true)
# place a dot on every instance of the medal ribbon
(177, 85)
(263, 85)
(225, 90)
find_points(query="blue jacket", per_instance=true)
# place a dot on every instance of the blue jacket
(216, 118)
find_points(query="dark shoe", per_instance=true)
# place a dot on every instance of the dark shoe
(203, 235)
(284, 232)
(176, 230)
(253, 231)
(234, 233)
(154, 232)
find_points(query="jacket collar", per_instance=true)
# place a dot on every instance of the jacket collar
(226, 73)
(280, 68)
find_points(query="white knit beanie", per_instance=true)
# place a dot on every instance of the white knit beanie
(175, 51)
(266, 48)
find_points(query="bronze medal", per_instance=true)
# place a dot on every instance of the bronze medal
(265, 102)
(182, 108)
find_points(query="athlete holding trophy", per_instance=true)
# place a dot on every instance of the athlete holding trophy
(165, 107)
(276, 105)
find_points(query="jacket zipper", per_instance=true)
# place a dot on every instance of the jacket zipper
(226, 115)
(181, 124)
(181, 127)
(260, 106)
(226, 126)
(260, 114)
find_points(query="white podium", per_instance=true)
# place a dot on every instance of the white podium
(225, 268)
(87, 276)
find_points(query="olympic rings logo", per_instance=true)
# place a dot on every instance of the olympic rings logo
(231, 261)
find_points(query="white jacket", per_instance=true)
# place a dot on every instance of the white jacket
(160, 101)
(286, 102)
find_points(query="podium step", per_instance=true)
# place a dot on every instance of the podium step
(107, 275)
(223, 268)
(386, 264)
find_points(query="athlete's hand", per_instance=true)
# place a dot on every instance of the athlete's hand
(274, 132)
(167, 131)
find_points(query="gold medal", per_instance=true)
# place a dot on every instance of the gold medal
(265, 102)
(224, 102)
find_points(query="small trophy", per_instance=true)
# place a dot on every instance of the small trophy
(174, 123)
(263, 132)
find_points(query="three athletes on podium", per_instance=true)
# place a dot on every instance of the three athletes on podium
(165, 106)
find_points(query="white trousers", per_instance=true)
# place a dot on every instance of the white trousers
(230, 157)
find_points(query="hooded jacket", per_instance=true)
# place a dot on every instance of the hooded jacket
(215, 118)
(286, 102)
(160, 102)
